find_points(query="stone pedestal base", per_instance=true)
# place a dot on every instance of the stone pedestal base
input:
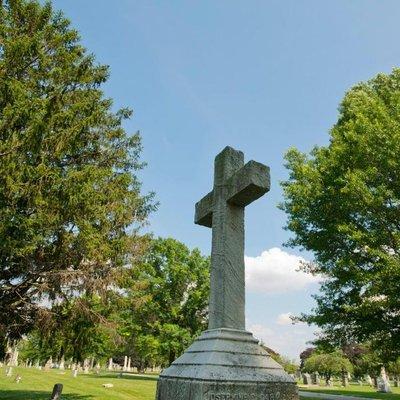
(225, 364)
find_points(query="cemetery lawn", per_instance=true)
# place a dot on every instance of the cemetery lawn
(38, 385)
(353, 390)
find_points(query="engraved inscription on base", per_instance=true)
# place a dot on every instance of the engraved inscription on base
(243, 396)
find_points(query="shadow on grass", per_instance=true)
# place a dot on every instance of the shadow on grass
(125, 375)
(36, 395)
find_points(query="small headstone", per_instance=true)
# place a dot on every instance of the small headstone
(329, 383)
(110, 364)
(74, 373)
(108, 385)
(306, 379)
(315, 378)
(48, 364)
(383, 382)
(86, 367)
(369, 381)
(129, 365)
(9, 371)
(125, 363)
(345, 380)
(18, 379)
(61, 366)
(57, 390)
(383, 386)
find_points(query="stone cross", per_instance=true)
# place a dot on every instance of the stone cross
(235, 186)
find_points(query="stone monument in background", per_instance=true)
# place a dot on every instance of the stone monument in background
(226, 362)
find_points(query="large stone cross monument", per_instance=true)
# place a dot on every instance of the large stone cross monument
(226, 362)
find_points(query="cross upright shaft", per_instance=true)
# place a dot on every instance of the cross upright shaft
(235, 186)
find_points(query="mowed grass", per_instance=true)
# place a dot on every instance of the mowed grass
(38, 385)
(353, 390)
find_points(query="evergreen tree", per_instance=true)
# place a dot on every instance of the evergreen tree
(70, 200)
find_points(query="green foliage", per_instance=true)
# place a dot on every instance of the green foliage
(342, 203)
(78, 329)
(369, 363)
(328, 364)
(70, 202)
(288, 365)
(394, 367)
(167, 297)
(159, 307)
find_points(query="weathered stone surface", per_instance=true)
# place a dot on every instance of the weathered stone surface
(57, 390)
(226, 362)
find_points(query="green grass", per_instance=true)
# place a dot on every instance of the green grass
(38, 385)
(354, 390)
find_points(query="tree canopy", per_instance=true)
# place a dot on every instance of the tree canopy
(70, 200)
(342, 202)
(167, 302)
(328, 364)
(159, 308)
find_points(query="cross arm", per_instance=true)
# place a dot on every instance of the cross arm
(248, 184)
(203, 211)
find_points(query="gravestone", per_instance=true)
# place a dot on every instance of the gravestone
(226, 362)
(86, 366)
(345, 379)
(57, 390)
(383, 382)
(97, 368)
(48, 364)
(306, 379)
(61, 366)
(125, 367)
(315, 378)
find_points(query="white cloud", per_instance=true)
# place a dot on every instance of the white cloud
(284, 319)
(288, 341)
(261, 332)
(275, 271)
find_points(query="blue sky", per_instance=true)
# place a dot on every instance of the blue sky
(260, 76)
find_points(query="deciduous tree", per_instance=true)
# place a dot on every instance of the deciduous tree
(343, 204)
